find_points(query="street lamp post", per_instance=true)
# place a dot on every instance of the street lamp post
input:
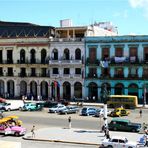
(105, 98)
(144, 96)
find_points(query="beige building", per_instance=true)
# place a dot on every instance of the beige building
(42, 60)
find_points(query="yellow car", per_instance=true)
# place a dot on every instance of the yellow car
(119, 112)
(14, 119)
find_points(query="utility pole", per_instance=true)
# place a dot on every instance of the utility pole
(144, 96)
(105, 99)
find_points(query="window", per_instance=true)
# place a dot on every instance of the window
(66, 71)
(78, 71)
(114, 140)
(1, 71)
(10, 71)
(32, 71)
(55, 71)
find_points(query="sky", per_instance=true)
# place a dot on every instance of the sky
(129, 16)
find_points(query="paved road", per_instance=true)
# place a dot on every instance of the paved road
(44, 119)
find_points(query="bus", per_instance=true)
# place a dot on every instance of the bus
(126, 101)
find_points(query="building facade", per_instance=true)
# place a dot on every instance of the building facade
(120, 62)
(24, 52)
(43, 60)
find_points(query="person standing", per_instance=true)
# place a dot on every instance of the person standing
(140, 112)
(32, 131)
(69, 121)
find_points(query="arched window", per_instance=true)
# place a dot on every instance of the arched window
(55, 54)
(22, 56)
(43, 56)
(32, 56)
(78, 54)
(66, 54)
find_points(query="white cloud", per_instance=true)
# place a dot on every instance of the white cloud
(143, 4)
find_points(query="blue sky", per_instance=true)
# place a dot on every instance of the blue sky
(130, 16)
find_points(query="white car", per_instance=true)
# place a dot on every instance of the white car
(119, 142)
(100, 112)
(56, 108)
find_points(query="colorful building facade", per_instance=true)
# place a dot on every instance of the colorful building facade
(120, 62)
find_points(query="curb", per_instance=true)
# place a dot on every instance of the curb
(61, 141)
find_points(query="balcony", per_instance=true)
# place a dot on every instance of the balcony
(133, 76)
(96, 62)
(36, 61)
(9, 74)
(67, 39)
(1, 74)
(92, 75)
(22, 74)
(63, 62)
(145, 76)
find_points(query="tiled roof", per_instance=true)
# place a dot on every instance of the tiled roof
(14, 29)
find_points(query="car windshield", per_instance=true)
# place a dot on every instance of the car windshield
(84, 109)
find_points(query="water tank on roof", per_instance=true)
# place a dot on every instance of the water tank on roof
(66, 23)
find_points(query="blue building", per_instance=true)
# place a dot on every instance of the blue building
(120, 62)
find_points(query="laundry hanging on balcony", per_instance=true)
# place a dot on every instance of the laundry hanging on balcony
(104, 64)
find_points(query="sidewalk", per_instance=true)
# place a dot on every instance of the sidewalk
(76, 136)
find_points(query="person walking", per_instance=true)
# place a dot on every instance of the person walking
(69, 121)
(107, 134)
(140, 112)
(32, 131)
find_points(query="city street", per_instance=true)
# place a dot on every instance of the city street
(44, 119)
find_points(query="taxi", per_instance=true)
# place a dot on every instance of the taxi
(119, 112)
(14, 119)
(7, 128)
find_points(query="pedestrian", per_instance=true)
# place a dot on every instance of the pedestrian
(140, 112)
(107, 134)
(69, 121)
(104, 128)
(32, 131)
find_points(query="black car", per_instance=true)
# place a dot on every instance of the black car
(69, 110)
(50, 104)
(124, 125)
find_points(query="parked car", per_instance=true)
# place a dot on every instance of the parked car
(2, 105)
(32, 106)
(119, 142)
(2, 100)
(14, 119)
(13, 105)
(69, 110)
(56, 108)
(50, 103)
(86, 111)
(6, 129)
(118, 124)
(119, 112)
(100, 112)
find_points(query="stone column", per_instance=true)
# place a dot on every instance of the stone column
(140, 52)
(72, 91)
(126, 51)
(112, 51)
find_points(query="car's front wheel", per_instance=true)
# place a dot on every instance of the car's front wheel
(114, 128)
(109, 146)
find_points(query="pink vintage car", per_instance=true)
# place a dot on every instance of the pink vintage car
(12, 130)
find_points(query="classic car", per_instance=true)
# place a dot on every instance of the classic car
(69, 110)
(119, 112)
(119, 142)
(32, 107)
(118, 124)
(8, 129)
